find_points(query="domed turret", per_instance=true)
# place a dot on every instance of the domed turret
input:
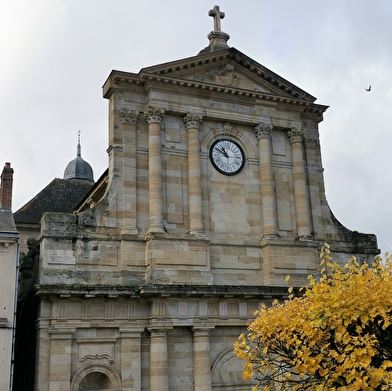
(79, 168)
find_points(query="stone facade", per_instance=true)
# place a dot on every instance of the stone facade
(150, 282)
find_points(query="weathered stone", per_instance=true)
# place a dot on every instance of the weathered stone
(148, 284)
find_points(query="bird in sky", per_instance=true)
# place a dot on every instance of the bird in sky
(369, 88)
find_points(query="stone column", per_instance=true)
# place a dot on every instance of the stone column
(192, 123)
(154, 118)
(129, 199)
(60, 359)
(131, 357)
(268, 197)
(201, 358)
(159, 376)
(316, 185)
(42, 356)
(300, 191)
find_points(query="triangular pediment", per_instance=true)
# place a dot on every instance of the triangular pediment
(227, 68)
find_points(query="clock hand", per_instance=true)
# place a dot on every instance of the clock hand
(224, 152)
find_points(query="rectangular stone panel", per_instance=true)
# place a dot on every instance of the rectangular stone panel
(177, 252)
(174, 192)
(283, 201)
(96, 349)
(172, 131)
(278, 145)
(235, 257)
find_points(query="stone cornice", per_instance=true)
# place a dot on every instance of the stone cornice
(241, 59)
(120, 81)
(153, 291)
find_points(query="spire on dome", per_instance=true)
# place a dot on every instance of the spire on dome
(79, 148)
(79, 168)
(218, 39)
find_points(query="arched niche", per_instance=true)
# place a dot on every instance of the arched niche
(227, 372)
(96, 378)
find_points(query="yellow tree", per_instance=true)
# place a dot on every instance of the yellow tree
(334, 335)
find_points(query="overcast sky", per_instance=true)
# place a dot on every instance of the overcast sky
(55, 56)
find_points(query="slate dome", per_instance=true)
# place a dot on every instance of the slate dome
(79, 168)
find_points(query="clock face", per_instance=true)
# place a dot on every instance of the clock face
(227, 156)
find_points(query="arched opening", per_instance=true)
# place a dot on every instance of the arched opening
(227, 373)
(95, 381)
(96, 378)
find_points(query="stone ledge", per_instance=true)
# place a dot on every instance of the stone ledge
(148, 291)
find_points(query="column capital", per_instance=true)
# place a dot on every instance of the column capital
(152, 114)
(312, 142)
(131, 332)
(129, 116)
(203, 328)
(193, 120)
(159, 330)
(296, 135)
(263, 130)
(63, 333)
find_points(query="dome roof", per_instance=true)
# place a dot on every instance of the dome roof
(79, 168)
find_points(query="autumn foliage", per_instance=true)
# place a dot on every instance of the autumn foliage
(335, 335)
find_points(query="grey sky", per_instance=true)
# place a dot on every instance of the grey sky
(56, 55)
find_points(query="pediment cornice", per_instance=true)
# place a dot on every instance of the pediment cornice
(122, 80)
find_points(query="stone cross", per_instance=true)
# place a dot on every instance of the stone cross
(217, 15)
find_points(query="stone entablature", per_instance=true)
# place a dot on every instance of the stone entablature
(129, 337)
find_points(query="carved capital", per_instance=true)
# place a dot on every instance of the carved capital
(311, 142)
(296, 135)
(152, 114)
(193, 120)
(129, 116)
(263, 130)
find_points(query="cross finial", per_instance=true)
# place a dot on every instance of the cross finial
(217, 15)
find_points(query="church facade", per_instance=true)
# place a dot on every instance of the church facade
(213, 195)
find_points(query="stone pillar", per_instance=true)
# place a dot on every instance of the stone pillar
(129, 119)
(154, 118)
(60, 359)
(300, 191)
(192, 123)
(268, 197)
(131, 358)
(159, 376)
(316, 185)
(42, 355)
(201, 358)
